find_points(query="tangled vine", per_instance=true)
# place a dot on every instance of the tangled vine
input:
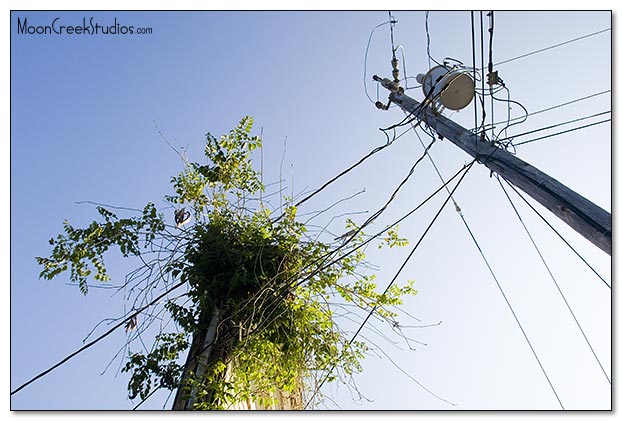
(256, 322)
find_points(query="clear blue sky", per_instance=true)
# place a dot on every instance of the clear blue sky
(82, 113)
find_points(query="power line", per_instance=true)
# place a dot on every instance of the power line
(93, 342)
(556, 106)
(490, 87)
(322, 260)
(554, 125)
(427, 34)
(565, 131)
(511, 309)
(495, 278)
(392, 21)
(556, 232)
(553, 46)
(481, 47)
(554, 280)
(474, 71)
(347, 170)
(371, 312)
(569, 102)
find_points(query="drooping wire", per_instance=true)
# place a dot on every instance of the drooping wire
(406, 77)
(505, 298)
(563, 132)
(508, 121)
(553, 46)
(553, 278)
(394, 278)
(371, 34)
(557, 232)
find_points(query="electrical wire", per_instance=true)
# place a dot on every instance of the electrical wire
(563, 132)
(474, 64)
(371, 34)
(553, 126)
(508, 125)
(495, 278)
(438, 172)
(99, 338)
(353, 166)
(557, 106)
(570, 102)
(552, 46)
(427, 34)
(553, 278)
(394, 278)
(490, 86)
(397, 189)
(511, 310)
(556, 232)
(481, 43)
(392, 24)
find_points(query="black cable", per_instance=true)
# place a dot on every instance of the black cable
(474, 64)
(511, 309)
(553, 126)
(481, 44)
(509, 124)
(397, 189)
(553, 278)
(490, 86)
(371, 312)
(427, 34)
(570, 102)
(556, 106)
(437, 171)
(552, 46)
(495, 278)
(353, 166)
(565, 131)
(490, 31)
(556, 232)
(392, 24)
(93, 342)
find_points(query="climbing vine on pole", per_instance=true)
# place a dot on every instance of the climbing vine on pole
(265, 287)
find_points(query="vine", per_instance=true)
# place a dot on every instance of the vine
(257, 323)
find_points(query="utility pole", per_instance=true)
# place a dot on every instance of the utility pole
(203, 342)
(205, 349)
(588, 219)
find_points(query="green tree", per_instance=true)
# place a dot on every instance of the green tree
(256, 319)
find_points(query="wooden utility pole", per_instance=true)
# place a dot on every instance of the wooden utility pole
(203, 342)
(588, 219)
(205, 349)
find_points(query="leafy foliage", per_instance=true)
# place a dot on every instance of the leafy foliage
(262, 284)
(82, 250)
